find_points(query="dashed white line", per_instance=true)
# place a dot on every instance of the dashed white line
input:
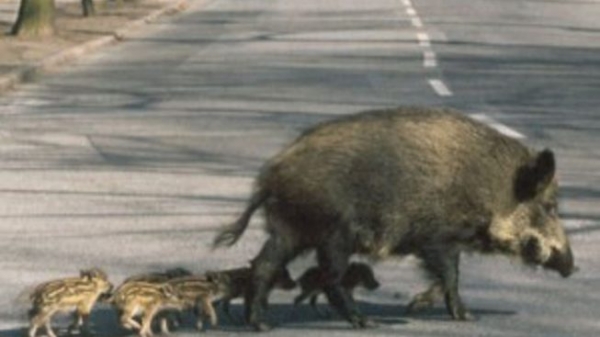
(429, 59)
(440, 88)
(424, 40)
(503, 129)
(416, 21)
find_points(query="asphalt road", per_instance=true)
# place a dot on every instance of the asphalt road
(132, 158)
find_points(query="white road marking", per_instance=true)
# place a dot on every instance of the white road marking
(429, 59)
(576, 223)
(424, 40)
(440, 88)
(503, 129)
(416, 21)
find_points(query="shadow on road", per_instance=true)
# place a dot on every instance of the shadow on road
(105, 321)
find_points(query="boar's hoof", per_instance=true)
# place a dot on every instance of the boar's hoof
(461, 314)
(418, 304)
(361, 322)
(426, 299)
(261, 327)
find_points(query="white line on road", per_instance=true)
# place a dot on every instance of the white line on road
(429, 59)
(424, 40)
(583, 227)
(411, 12)
(440, 88)
(503, 129)
(416, 21)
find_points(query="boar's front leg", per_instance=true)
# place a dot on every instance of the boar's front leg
(206, 314)
(333, 257)
(442, 264)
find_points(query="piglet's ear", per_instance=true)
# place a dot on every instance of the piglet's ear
(535, 176)
(212, 276)
(167, 290)
(85, 274)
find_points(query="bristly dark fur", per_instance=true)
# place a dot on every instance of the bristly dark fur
(423, 181)
(313, 281)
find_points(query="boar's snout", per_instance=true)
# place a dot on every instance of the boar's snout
(562, 262)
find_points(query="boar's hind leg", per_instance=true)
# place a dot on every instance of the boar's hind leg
(442, 263)
(275, 254)
(333, 257)
(425, 299)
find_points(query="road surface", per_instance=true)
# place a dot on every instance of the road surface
(131, 159)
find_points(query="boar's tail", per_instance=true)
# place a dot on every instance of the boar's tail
(229, 235)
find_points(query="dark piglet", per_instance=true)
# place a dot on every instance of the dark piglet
(423, 181)
(315, 279)
(236, 283)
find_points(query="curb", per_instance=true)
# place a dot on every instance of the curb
(28, 72)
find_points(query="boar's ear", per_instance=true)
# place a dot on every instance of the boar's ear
(535, 176)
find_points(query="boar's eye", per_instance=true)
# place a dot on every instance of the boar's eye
(529, 250)
(551, 208)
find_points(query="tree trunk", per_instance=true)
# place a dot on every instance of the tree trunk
(88, 7)
(35, 19)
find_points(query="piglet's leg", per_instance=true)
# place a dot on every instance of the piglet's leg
(41, 318)
(208, 311)
(146, 329)
(49, 330)
(127, 320)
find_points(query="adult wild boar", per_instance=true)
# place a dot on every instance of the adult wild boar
(422, 181)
